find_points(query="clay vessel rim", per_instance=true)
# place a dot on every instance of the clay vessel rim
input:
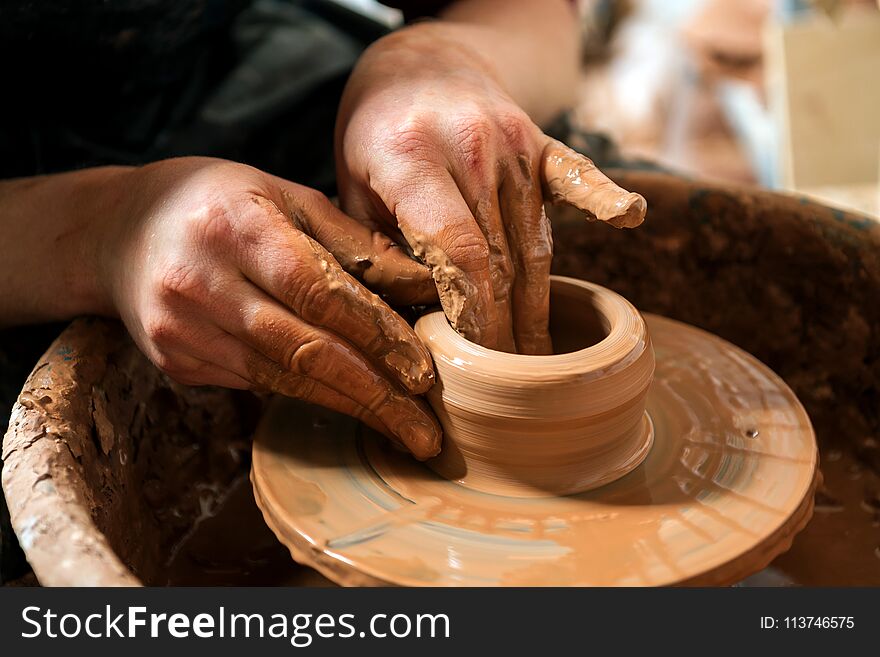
(618, 348)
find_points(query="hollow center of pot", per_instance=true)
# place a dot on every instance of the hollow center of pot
(575, 321)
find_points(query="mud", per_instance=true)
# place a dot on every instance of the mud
(727, 260)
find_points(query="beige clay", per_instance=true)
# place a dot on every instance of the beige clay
(534, 426)
(573, 179)
(726, 485)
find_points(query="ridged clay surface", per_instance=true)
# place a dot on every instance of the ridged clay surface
(728, 483)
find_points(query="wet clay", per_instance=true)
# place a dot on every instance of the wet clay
(537, 426)
(233, 547)
(458, 295)
(841, 544)
(726, 487)
(320, 292)
(369, 255)
(373, 258)
(572, 179)
(733, 259)
(746, 247)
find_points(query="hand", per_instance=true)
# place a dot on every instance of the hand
(430, 145)
(228, 276)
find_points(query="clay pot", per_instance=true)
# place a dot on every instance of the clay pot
(533, 426)
(108, 465)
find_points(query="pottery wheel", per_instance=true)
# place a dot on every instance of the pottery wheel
(728, 483)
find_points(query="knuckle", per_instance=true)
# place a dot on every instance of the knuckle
(412, 138)
(182, 369)
(538, 261)
(314, 197)
(299, 387)
(163, 361)
(180, 280)
(472, 139)
(305, 357)
(467, 249)
(502, 272)
(170, 365)
(210, 226)
(515, 129)
(536, 252)
(379, 398)
(534, 259)
(501, 287)
(307, 201)
(307, 295)
(163, 330)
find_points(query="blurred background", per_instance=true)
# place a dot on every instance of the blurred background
(781, 93)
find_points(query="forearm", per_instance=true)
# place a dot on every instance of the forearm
(532, 45)
(50, 243)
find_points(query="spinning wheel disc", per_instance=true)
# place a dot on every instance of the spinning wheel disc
(728, 483)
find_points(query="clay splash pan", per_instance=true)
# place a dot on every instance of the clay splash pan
(718, 478)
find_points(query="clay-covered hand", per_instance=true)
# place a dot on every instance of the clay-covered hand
(226, 275)
(429, 144)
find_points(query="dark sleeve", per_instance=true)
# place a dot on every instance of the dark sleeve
(413, 9)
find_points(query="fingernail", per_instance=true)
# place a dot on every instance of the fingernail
(423, 379)
(634, 209)
(422, 439)
(416, 374)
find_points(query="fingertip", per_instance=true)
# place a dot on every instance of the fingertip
(572, 178)
(423, 438)
(423, 381)
(415, 373)
(485, 335)
(420, 430)
(387, 269)
(632, 209)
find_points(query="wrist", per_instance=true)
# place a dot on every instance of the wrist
(530, 51)
(103, 249)
(95, 218)
(437, 46)
(428, 56)
(52, 239)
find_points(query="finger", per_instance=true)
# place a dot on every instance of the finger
(196, 363)
(571, 178)
(480, 194)
(531, 246)
(360, 203)
(269, 376)
(442, 232)
(369, 255)
(192, 371)
(296, 355)
(194, 351)
(305, 277)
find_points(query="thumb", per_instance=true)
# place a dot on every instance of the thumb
(370, 256)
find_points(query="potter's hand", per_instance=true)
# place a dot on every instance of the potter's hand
(226, 275)
(428, 142)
